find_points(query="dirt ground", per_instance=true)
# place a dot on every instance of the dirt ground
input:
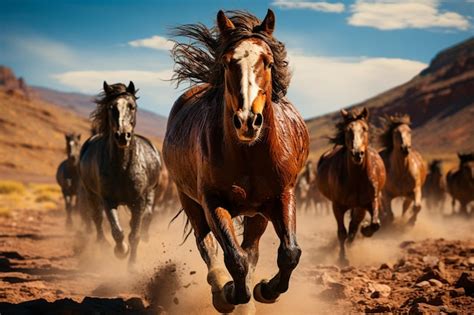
(423, 270)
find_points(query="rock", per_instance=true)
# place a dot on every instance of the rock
(335, 291)
(457, 292)
(347, 269)
(440, 299)
(466, 281)
(448, 310)
(135, 303)
(423, 309)
(176, 300)
(386, 266)
(436, 283)
(406, 244)
(379, 308)
(470, 261)
(431, 274)
(452, 260)
(431, 260)
(4, 264)
(379, 290)
(422, 284)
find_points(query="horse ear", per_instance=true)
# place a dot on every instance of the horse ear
(268, 24)
(224, 23)
(78, 136)
(107, 88)
(344, 113)
(131, 88)
(365, 113)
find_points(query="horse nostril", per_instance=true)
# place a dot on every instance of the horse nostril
(237, 122)
(258, 120)
(128, 135)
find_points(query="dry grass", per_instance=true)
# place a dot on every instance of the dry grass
(16, 195)
(8, 187)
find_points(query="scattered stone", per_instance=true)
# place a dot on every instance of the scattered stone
(431, 260)
(422, 309)
(386, 266)
(335, 291)
(466, 281)
(452, 260)
(175, 300)
(406, 244)
(192, 272)
(59, 291)
(470, 261)
(440, 299)
(436, 283)
(422, 284)
(379, 308)
(457, 292)
(379, 290)
(431, 274)
(347, 269)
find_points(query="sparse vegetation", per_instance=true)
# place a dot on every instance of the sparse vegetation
(16, 195)
(8, 187)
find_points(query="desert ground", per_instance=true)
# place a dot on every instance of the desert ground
(50, 269)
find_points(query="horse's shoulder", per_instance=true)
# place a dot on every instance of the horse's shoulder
(147, 142)
(93, 139)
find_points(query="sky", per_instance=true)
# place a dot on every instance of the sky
(340, 52)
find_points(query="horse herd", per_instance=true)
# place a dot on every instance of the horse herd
(235, 146)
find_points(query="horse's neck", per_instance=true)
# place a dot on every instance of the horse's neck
(398, 159)
(72, 161)
(120, 156)
(352, 168)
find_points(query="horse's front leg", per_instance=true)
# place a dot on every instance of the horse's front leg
(283, 217)
(235, 258)
(121, 248)
(374, 210)
(139, 208)
(68, 204)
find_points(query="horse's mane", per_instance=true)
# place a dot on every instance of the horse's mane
(435, 166)
(339, 137)
(199, 61)
(389, 123)
(466, 157)
(99, 116)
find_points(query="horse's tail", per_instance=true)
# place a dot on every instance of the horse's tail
(187, 230)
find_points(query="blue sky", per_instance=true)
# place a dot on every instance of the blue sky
(341, 52)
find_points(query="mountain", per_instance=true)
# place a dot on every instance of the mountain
(149, 123)
(33, 122)
(440, 101)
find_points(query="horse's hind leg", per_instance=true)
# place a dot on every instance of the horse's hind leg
(357, 215)
(283, 217)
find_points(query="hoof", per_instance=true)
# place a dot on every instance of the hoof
(220, 303)
(370, 229)
(258, 296)
(121, 251)
(343, 262)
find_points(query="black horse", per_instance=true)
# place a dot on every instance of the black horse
(67, 174)
(119, 167)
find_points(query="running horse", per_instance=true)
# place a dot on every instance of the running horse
(307, 191)
(434, 188)
(352, 175)
(460, 182)
(406, 169)
(67, 175)
(119, 167)
(234, 146)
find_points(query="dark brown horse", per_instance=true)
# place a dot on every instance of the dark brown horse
(434, 189)
(234, 146)
(307, 192)
(352, 176)
(406, 169)
(460, 182)
(67, 174)
(119, 167)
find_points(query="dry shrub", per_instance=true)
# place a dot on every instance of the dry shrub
(8, 187)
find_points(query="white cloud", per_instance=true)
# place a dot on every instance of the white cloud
(154, 85)
(308, 5)
(400, 14)
(154, 42)
(324, 84)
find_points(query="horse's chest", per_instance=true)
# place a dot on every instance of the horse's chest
(400, 181)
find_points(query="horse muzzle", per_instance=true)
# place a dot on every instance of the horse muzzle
(405, 149)
(123, 138)
(248, 128)
(358, 157)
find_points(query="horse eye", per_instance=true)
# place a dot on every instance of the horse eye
(131, 106)
(270, 65)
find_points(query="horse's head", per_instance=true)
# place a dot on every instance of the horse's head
(356, 133)
(466, 165)
(248, 78)
(72, 145)
(122, 112)
(401, 137)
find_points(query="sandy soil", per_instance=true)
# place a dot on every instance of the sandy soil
(414, 270)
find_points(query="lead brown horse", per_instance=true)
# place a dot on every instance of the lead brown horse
(352, 176)
(234, 146)
(406, 169)
(460, 182)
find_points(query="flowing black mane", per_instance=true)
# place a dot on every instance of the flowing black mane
(198, 61)
(99, 116)
(339, 137)
(389, 123)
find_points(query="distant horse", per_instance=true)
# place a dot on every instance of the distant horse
(434, 188)
(307, 191)
(166, 196)
(67, 175)
(460, 182)
(119, 167)
(406, 169)
(234, 146)
(352, 176)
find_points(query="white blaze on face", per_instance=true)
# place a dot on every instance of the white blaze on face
(247, 55)
(122, 104)
(358, 140)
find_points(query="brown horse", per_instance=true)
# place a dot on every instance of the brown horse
(234, 146)
(352, 176)
(434, 189)
(406, 169)
(307, 192)
(166, 196)
(460, 182)
(67, 175)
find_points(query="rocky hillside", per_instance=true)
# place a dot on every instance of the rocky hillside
(440, 101)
